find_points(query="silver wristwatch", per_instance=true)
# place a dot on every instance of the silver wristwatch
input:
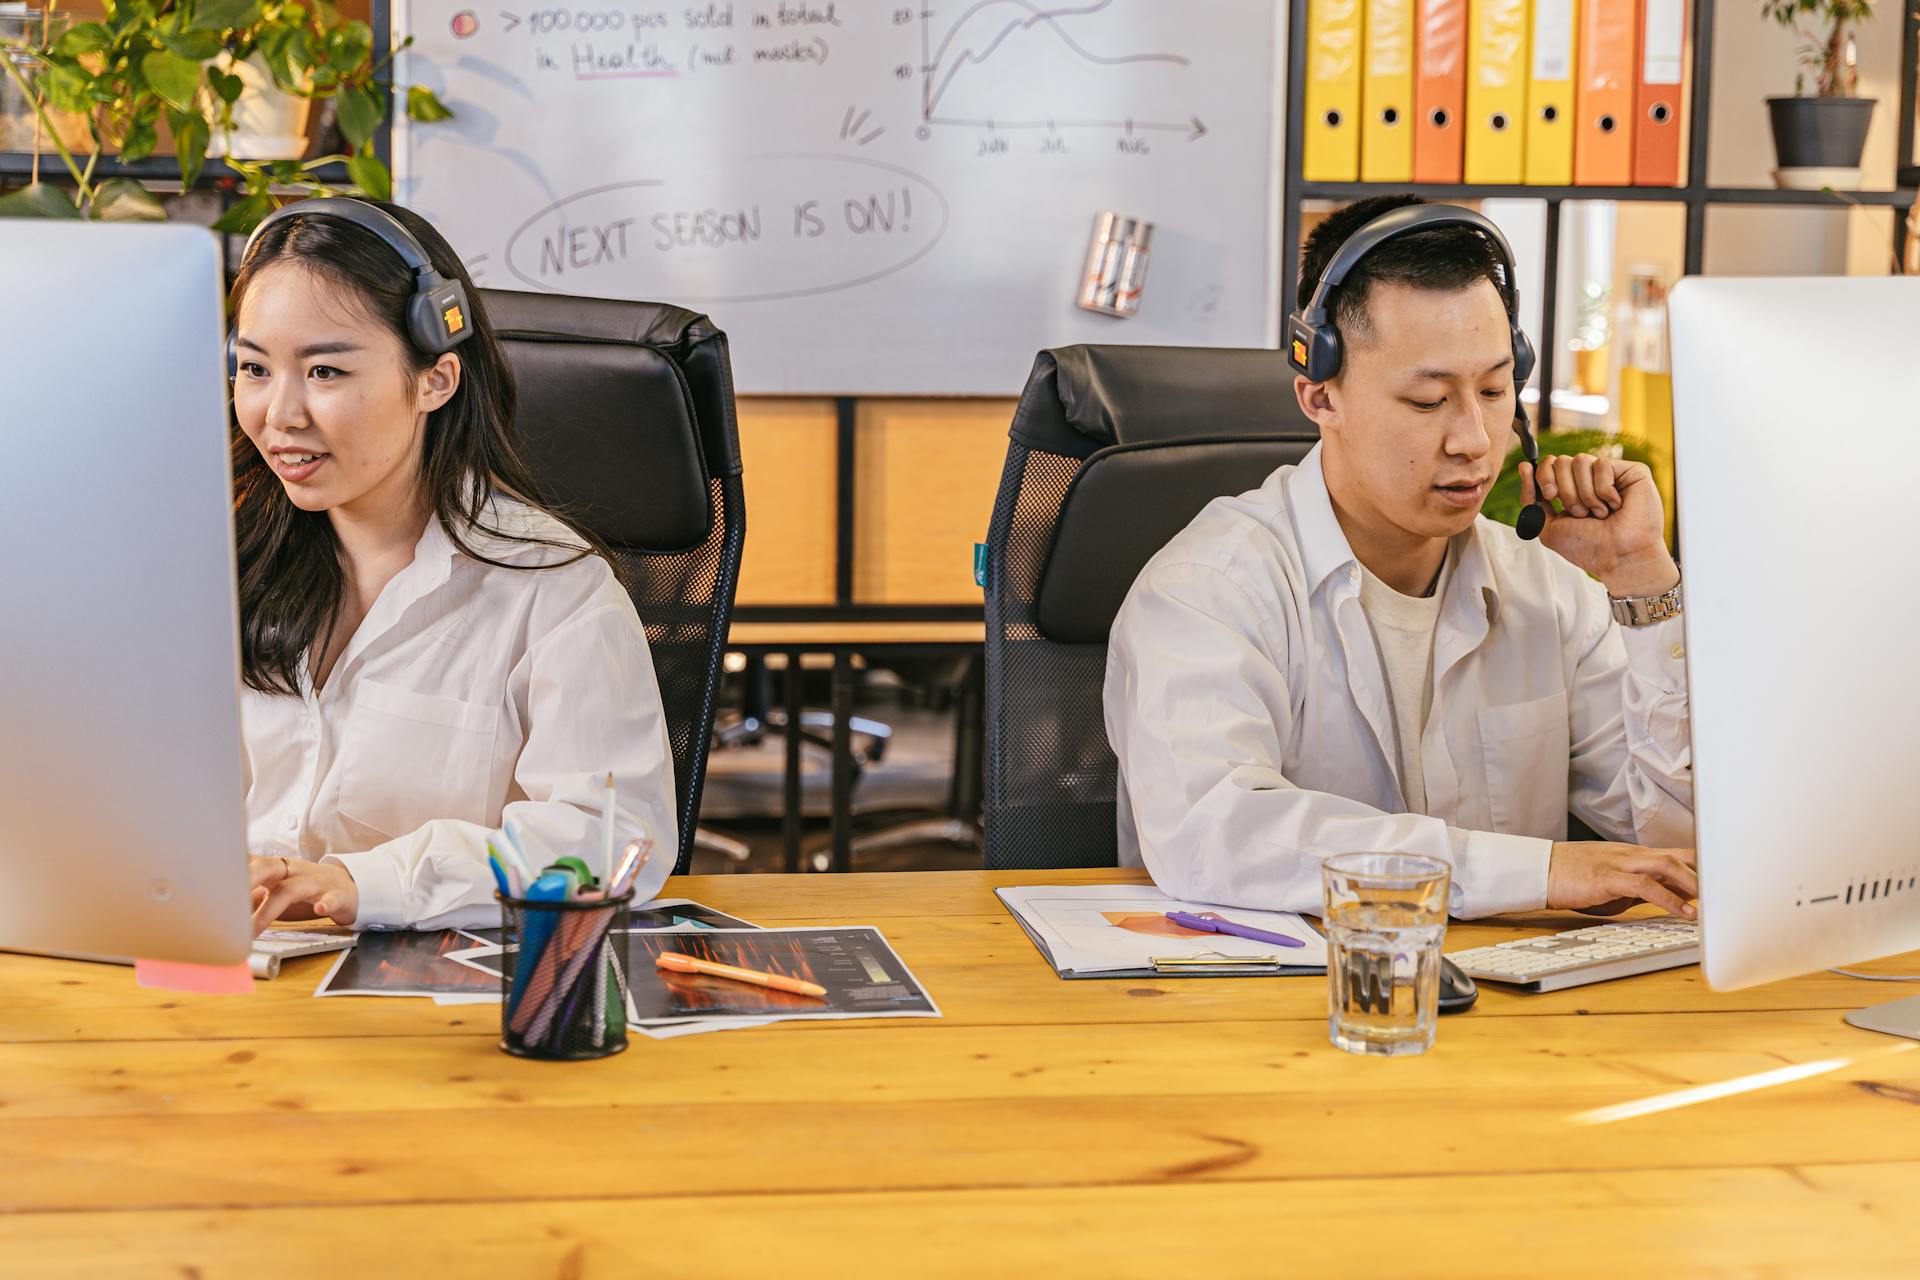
(1644, 611)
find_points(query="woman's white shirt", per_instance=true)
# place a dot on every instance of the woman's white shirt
(470, 694)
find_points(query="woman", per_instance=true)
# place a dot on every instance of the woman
(426, 654)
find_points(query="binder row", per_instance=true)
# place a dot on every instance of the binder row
(1541, 92)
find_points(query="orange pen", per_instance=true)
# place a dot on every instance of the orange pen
(679, 963)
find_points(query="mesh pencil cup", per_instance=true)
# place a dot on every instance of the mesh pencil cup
(561, 984)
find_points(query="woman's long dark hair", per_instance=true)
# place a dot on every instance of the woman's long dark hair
(291, 578)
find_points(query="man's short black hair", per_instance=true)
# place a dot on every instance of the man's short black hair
(1442, 259)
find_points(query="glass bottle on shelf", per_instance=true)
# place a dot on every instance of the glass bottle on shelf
(1589, 345)
(1646, 382)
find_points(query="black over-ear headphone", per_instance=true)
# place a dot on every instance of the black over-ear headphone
(439, 318)
(1313, 343)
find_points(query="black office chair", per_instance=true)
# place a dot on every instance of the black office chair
(1113, 450)
(626, 415)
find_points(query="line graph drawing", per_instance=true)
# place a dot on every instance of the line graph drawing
(1049, 52)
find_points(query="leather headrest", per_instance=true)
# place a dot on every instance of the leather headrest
(1125, 504)
(607, 415)
(1082, 398)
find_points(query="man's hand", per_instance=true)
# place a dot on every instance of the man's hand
(1604, 879)
(295, 889)
(1612, 525)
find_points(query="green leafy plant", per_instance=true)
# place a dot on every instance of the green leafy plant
(1829, 57)
(149, 60)
(1503, 500)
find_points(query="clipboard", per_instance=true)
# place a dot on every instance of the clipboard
(1199, 966)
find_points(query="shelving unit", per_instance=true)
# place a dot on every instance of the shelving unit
(1696, 196)
(164, 169)
(16, 166)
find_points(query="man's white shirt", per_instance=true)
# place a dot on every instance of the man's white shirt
(1248, 706)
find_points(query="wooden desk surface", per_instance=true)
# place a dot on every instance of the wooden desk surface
(801, 634)
(1070, 1128)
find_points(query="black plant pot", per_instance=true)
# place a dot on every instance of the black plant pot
(1820, 133)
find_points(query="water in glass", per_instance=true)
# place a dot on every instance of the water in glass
(1385, 918)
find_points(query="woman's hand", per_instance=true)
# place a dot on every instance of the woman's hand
(295, 889)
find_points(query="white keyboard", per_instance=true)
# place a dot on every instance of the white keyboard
(1580, 956)
(275, 945)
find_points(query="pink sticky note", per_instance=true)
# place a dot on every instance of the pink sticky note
(202, 979)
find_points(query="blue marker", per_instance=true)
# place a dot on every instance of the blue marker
(551, 887)
(499, 873)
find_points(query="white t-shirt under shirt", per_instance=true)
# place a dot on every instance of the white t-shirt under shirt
(1403, 627)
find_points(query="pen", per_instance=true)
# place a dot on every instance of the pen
(536, 932)
(515, 855)
(632, 858)
(499, 872)
(681, 963)
(571, 983)
(600, 964)
(1213, 922)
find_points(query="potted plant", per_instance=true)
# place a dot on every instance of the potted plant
(1818, 139)
(176, 63)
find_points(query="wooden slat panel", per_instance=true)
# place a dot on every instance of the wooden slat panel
(1752, 1221)
(287, 1157)
(926, 472)
(1597, 1061)
(787, 469)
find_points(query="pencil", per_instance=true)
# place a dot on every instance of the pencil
(606, 832)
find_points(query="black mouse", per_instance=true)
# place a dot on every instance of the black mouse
(1457, 992)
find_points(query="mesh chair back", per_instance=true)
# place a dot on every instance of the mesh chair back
(627, 418)
(1113, 450)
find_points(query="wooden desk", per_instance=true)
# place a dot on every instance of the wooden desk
(837, 643)
(1058, 1128)
(826, 637)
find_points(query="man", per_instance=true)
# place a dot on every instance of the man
(1351, 658)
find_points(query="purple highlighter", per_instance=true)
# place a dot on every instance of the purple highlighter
(1213, 922)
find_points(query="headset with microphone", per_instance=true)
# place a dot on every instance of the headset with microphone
(438, 314)
(1313, 342)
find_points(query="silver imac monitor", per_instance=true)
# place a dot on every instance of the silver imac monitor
(122, 818)
(1794, 409)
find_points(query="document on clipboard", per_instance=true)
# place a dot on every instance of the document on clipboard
(1122, 931)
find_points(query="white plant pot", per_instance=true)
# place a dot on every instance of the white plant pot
(268, 123)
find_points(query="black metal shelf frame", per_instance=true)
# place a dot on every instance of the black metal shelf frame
(1908, 174)
(163, 169)
(1696, 196)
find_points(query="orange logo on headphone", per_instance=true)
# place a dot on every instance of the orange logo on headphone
(1299, 352)
(455, 321)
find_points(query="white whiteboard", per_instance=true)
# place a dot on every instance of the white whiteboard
(868, 197)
